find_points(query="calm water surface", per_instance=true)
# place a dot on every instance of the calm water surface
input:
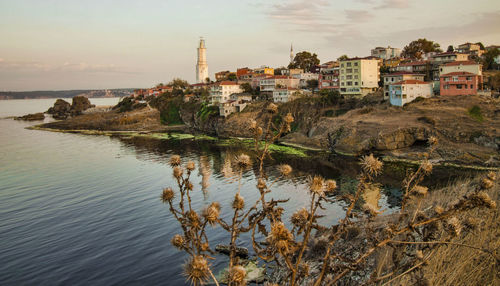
(86, 210)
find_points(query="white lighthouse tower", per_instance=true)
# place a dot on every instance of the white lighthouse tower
(201, 65)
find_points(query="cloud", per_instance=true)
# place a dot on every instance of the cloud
(394, 4)
(358, 15)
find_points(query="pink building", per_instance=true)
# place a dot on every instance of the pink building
(459, 83)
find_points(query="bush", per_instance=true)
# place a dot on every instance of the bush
(427, 119)
(125, 104)
(207, 111)
(475, 113)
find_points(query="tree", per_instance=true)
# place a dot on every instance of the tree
(416, 49)
(304, 60)
(178, 83)
(494, 82)
(450, 48)
(232, 77)
(489, 58)
(312, 84)
(342, 58)
(247, 88)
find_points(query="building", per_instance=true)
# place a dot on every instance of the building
(392, 63)
(285, 94)
(447, 57)
(220, 92)
(414, 67)
(459, 83)
(359, 76)
(223, 75)
(304, 77)
(264, 70)
(199, 86)
(408, 90)
(243, 71)
(256, 78)
(291, 72)
(329, 78)
(236, 103)
(464, 66)
(398, 77)
(291, 53)
(471, 49)
(201, 65)
(386, 53)
(268, 85)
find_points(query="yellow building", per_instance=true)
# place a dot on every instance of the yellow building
(359, 76)
(264, 70)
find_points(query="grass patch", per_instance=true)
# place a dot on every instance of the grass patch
(171, 115)
(475, 113)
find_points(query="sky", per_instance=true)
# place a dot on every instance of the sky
(101, 44)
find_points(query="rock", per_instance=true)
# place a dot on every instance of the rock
(255, 273)
(224, 249)
(32, 117)
(60, 110)
(80, 104)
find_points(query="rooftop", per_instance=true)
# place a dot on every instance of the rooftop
(458, 73)
(410, 81)
(403, 73)
(457, 63)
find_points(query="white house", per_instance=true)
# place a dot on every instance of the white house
(236, 103)
(221, 91)
(397, 77)
(285, 94)
(408, 90)
(268, 85)
(304, 77)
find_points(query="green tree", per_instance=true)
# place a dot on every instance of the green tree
(450, 48)
(232, 77)
(494, 82)
(312, 84)
(416, 49)
(342, 58)
(247, 87)
(489, 58)
(304, 60)
(178, 83)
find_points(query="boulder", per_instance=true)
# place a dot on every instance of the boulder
(32, 117)
(80, 104)
(60, 110)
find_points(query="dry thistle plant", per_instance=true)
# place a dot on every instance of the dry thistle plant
(411, 238)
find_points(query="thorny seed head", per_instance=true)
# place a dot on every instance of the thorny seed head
(238, 274)
(193, 218)
(370, 209)
(432, 140)
(175, 160)
(454, 226)
(239, 202)
(331, 185)
(189, 185)
(178, 172)
(259, 131)
(420, 190)
(438, 209)
(205, 246)
(167, 195)
(272, 108)
(252, 124)
(197, 270)
(288, 118)
(371, 165)
(427, 167)
(261, 184)
(300, 217)
(243, 161)
(316, 185)
(215, 205)
(280, 236)
(486, 184)
(492, 176)
(190, 166)
(419, 254)
(211, 214)
(483, 199)
(285, 169)
(178, 241)
(304, 269)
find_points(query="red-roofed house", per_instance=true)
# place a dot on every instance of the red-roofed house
(408, 90)
(397, 77)
(459, 83)
(463, 66)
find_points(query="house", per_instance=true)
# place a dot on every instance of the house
(221, 91)
(291, 72)
(459, 83)
(199, 86)
(447, 57)
(223, 75)
(386, 53)
(264, 70)
(359, 76)
(471, 49)
(268, 85)
(408, 90)
(304, 77)
(236, 103)
(413, 66)
(329, 78)
(463, 66)
(398, 77)
(242, 71)
(392, 62)
(285, 94)
(255, 81)
(166, 88)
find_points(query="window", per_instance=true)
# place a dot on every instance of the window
(342, 65)
(355, 64)
(349, 77)
(355, 70)
(355, 83)
(349, 83)
(349, 70)
(469, 78)
(348, 64)
(355, 76)
(392, 79)
(455, 78)
(459, 86)
(471, 86)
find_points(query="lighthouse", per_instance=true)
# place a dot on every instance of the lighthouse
(201, 64)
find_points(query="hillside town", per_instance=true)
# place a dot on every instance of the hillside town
(420, 70)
